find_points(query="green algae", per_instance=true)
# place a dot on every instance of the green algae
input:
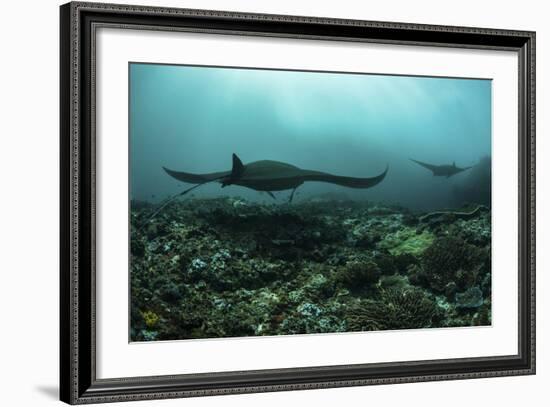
(407, 241)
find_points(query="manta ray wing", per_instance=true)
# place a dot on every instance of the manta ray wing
(350, 182)
(442, 170)
(269, 175)
(196, 178)
(426, 165)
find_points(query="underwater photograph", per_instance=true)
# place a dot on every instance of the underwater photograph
(281, 202)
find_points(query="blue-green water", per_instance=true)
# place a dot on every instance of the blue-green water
(193, 118)
(210, 268)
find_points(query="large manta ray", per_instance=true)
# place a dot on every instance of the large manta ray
(442, 170)
(269, 176)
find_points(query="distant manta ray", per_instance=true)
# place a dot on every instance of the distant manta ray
(266, 176)
(269, 176)
(442, 170)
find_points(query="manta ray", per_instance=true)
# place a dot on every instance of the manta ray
(269, 176)
(264, 176)
(442, 170)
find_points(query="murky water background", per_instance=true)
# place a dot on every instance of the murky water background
(193, 118)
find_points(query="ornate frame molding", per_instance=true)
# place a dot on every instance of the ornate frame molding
(77, 246)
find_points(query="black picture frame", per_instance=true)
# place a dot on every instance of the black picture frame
(78, 382)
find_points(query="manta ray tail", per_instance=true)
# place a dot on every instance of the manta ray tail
(350, 182)
(198, 179)
(163, 204)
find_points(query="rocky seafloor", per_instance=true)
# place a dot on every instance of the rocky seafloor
(227, 267)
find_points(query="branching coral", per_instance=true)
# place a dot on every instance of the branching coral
(451, 259)
(395, 309)
(358, 274)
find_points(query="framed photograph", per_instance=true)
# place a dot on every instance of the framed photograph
(255, 203)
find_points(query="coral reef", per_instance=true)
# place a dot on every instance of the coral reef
(394, 309)
(227, 267)
(450, 216)
(407, 241)
(471, 298)
(358, 274)
(451, 259)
